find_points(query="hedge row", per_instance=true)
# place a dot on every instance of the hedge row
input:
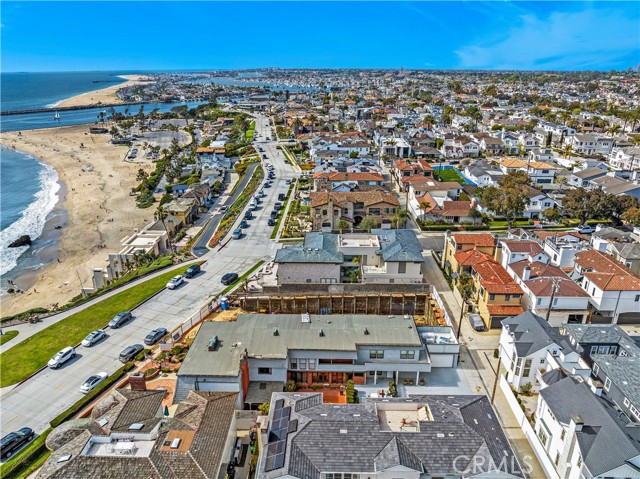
(23, 460)
(94, 393)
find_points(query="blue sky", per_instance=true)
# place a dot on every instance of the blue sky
(51, 36)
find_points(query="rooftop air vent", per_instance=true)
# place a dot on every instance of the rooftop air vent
(366, 331)
(176, 443)
(64, 458)
(136, 426)
(275, 332)
(321, 334)
(343, 431)
(305, 318)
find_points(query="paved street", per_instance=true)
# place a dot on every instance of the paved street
(50, 392)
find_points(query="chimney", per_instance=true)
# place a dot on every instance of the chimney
(596, 387)
(576, 422)
(526, 274)
(137, 382)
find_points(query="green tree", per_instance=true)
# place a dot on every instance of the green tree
(352, 393)
(399, 218)
(264, 408)
(342, 225)
(585, 204)
(424, 206)
(162, 215)
(465, 286)
(547, 142)
(631, 216)
(510, 198)
(552, 214)
(368, 223)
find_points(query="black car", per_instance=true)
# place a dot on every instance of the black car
(192, 271)
(271, 222)
(264, 156)
(119, 319)
(274, 214)
(277, 206)
(129, 353)
(229, 278)
(14, 441)
(154, 336)
(248, 215)
(282, 197)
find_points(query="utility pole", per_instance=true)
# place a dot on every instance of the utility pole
(554, 290)
(495, 382)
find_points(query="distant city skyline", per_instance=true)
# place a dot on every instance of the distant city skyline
(118, 36)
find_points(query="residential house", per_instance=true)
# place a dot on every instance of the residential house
(556, 129)
(491, 146)
(527, 142)
(405, 438)
(483, 173)
(541, 155)
(529, 346)
(625, 158)
(540, 172)
(309, 349)
(383, 256)
(616, 186)
(185, 209)
(613, 288)
(496, 294)
(582, 434)
(582, 178)
(446, 210)
(127, 435)
(513, 251)
(538, 202)
(330, 208)
(460, 147)
(562, 247)
(457, 242)
(403, 170)
(590, 144)
(331, 180)
(395, 147)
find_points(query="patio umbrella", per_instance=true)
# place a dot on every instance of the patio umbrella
(166, 410)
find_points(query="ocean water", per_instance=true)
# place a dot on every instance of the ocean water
(28, 194)
(24, 91)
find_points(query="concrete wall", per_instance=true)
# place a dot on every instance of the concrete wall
(278, 369)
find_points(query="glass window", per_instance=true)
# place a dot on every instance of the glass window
(264, 370)
(518, 367)
(527, 368)
(543, 437)
(294, 363)
(312, 363)
(607, 384)
(492, 297)
(407, 354)
(376, 354)
(402, 267)
(302, 363)
(507, 297)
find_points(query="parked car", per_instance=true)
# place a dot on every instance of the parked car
(277, 206)
(282, 197)
(264, 157)
(244, 224)
(585, 229)
(229, 278)
(476, 322)
(274, 214)
(271, 222)
(248, 215)
(93, 337)
(154, 336)
(175, 282)
(267, 184)
(237, 234)
(119, 319)
(14, 441)
(192, 271)
(288, 182)
(223, 209)
(130, 352)
(62, 357)
(92, 382)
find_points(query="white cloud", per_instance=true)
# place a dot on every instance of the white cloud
(578, 40)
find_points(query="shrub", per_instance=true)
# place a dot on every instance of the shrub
(352, 393)
(141, 355)
(496, 353)
(393, 390)
(291, 386)
(264, 408)
(526, 389)
(150, 372)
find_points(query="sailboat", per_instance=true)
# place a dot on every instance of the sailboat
(56, 116)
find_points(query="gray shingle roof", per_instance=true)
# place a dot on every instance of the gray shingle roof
(318, 248)
(602, 334)
(532, 333)
(605, 442)
(349, 438)
(399, 245)
(619, 370)
(254, 333)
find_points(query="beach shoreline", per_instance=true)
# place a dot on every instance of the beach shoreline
(94, 195)
(102, 96)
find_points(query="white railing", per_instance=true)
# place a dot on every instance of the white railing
(195, 318)
(441, 304)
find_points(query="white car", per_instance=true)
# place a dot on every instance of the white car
(175, 282)
(93, 337)
(62, 357)
(92, 382)
(585, 229)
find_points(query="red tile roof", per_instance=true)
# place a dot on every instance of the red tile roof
(471, 257)
(523, 246)
(413, 165)
(495, 279)
(606, 273)
(481, 239)
(341, 199)
(355, 176)
(614, 282)
(504, 310)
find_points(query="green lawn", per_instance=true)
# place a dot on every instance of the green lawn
(26, 357)
(8, 336)
(449, 175)
(504, 223)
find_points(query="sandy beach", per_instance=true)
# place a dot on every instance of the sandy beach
(99, 209)
(105, 96)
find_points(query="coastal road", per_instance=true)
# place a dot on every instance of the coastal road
(200, 248)
(41, 398)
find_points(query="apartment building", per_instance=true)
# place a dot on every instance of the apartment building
(328, 209)
(457, 242)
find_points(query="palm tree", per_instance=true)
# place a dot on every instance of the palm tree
(400, 218)
(424, 206)
(615, 128)
(568, 150)
(162, 215)
(296, 125)
(313, 119)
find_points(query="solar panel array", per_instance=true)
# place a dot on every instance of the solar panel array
(277, 437)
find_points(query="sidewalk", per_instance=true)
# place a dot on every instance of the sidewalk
(479, 368)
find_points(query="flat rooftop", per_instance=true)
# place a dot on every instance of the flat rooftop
(368, 241)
